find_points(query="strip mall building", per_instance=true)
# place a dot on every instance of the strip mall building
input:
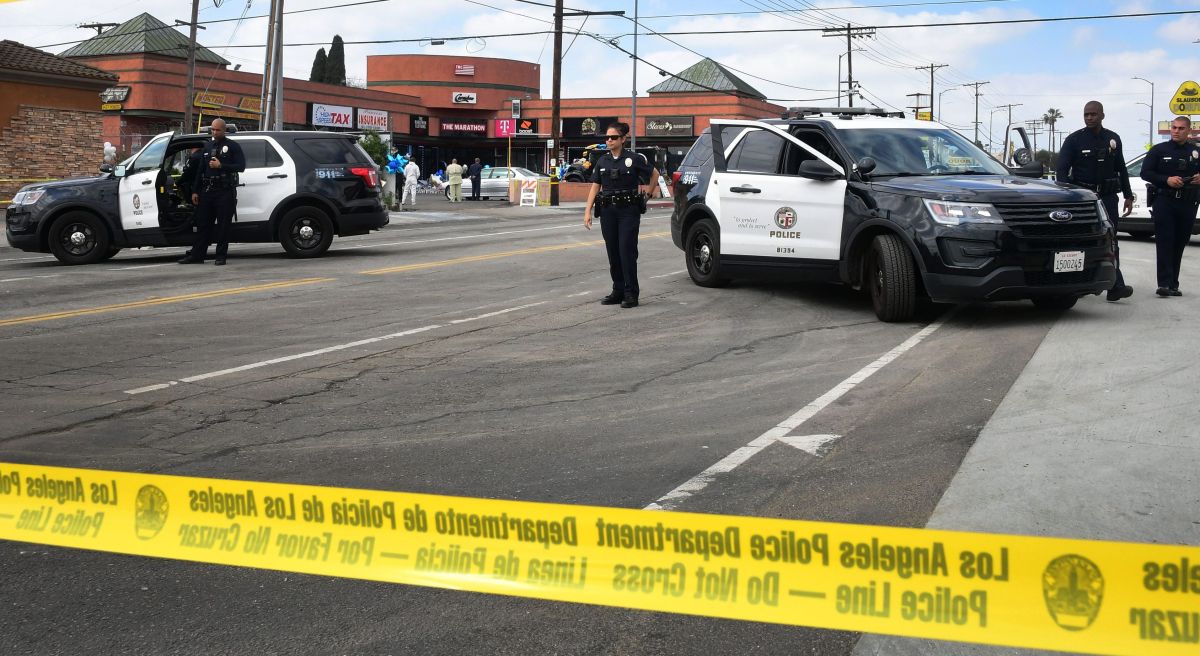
(439, 107)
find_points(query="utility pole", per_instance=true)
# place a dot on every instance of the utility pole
(932, 68)
(556, 88)
(1035, 128)
(918, 105)
(277, 103)
(977, 94)
(190, 100)
(1009, 106)
(633, 119)
(850, 33)
(99, 27)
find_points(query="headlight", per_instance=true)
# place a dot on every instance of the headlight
(28, 197)
(947, 213)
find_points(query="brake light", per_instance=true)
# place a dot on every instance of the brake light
(675, 177)
(369, 175)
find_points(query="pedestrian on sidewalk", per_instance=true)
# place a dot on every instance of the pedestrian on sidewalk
(1173, 167)
(411, 173)
(475, 171)
(1092, 157)
(620, 181)
(454, 173)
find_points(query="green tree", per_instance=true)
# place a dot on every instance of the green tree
(318, 67)
(335, 64)
(375, 147)
(1050, 118)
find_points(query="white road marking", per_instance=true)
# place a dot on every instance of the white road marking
(580, 294)
(673, 273)
(810, 444)
(322, 351)
(140, 266)
(459, 237)
(51, 275)
(730, 462)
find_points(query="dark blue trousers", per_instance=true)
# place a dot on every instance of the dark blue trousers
(1110, 206)
(212, 218)
(620, 226)
(1173, 222)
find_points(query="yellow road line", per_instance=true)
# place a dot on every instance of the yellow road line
(492, 256)
(162, 301)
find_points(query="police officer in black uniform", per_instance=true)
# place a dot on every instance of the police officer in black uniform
(1173, 167)
(1092, 157)
(216, 197)
(617, 181)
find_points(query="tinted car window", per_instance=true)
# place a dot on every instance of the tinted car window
(1135, 168)
(757, 153)
(260, 154)
(701, 152)
(332, 151)
(152, 157)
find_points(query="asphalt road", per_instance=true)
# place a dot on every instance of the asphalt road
(463, 353)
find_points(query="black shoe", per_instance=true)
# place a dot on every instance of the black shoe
(1174, 291)
(611, 299)
(1163, 291)
(220, 261)
(1118, 293)
(188, 259)
(629, 303)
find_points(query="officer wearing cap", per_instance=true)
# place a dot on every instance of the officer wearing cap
(1173, 167)
(620, 185)
(1092, 157)
(216, 197)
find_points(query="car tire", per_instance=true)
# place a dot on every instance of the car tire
(702, 251)
(305, 232)
(447, 192)
(79, 238)
(1141, 234)
(891, 279)
(573, 178)
(112, 252)
(1055, 302)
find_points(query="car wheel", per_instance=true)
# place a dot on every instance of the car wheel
(1055, 302)
(1141, 234)
(305, 232)
(892, 279)
(112, 252)
(78, 238)
(703, 252)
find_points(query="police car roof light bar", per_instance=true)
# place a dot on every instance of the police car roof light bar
(802, 112)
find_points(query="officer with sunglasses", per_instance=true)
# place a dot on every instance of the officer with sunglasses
(621, 182)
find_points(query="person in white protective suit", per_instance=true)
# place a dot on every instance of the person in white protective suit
(411, 173)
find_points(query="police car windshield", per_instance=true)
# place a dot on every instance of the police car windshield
(910, 151)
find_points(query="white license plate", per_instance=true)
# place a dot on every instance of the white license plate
(1066, 261)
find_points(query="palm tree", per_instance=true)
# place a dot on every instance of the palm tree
(1050, 118)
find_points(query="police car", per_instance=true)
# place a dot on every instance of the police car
(299, 189)
(1140, 224)
(900, 207)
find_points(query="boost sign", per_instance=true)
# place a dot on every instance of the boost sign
(331, 116)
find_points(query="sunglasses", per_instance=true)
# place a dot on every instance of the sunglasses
(610, 137)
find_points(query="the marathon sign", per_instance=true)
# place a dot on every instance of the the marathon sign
(418, 125)
(464, 127)
(330, 116)
(586, 127)
(527, 127)
(373, 119)
(669, 126)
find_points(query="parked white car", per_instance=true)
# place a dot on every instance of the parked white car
(494, 181)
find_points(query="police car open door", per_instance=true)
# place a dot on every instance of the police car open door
(138, 191)
(767, 204)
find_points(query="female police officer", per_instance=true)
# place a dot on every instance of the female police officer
(617, 182)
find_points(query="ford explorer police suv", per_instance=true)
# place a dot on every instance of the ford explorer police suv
(299, 189)
(901, 207)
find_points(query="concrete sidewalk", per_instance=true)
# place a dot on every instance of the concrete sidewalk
(1099, 438)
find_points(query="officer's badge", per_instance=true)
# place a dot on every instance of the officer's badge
(628, 161)
(1112, 144)
(1196, 154)
(224, 149)
(785, 218)
(1073, 588)
(150, 512)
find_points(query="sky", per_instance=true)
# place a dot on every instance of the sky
(1038, 66)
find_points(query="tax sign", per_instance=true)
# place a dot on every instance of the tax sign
(506, 127)
(332, 116)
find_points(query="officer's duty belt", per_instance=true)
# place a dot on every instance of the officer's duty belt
(1104, 187)
(212, 183)
(619, 199)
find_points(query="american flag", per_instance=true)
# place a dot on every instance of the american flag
(464, 69)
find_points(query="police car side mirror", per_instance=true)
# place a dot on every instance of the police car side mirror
(866, 165)
(119, 172)
(106, 168)
(817, 170)
(1031, 170)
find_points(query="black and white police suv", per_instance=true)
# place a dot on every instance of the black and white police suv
(898, 206)
(298, 189)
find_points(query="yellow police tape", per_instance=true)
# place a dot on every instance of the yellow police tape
(1047, 593)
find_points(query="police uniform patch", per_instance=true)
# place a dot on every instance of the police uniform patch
(150, 512)
(1073, 589)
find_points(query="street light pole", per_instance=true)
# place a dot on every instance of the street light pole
(556, 88)
(939, 116)
(1151, 106)
(633, 117)
(191, 80)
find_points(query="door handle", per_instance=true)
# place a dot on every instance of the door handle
(146, 182)
(276, 175)
(744, 189)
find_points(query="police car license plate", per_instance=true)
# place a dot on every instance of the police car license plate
(1066, 261)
